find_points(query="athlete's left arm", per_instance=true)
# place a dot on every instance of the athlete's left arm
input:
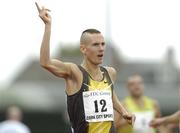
(157, 109)
(116, 103)
(130, 118)
(161, 129)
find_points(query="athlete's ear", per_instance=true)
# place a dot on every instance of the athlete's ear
(82, 48)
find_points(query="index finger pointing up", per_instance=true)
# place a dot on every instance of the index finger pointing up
(38, 8)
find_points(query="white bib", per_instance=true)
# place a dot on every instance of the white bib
(98, 106)
(143, 119)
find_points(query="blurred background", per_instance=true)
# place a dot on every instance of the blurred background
(142, 37)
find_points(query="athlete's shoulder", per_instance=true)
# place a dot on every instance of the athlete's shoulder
(112, 72)
(110, 68)
(74, 67)
(75, 72)
(71, 66)
(155, 103)
(152, 101)
(148, 98)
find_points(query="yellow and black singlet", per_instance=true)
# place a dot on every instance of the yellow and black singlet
(143, 116)
(90, 109)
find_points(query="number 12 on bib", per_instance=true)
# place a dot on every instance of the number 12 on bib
(98, 106)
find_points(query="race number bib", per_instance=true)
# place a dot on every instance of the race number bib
(143, 119)
(98, 106)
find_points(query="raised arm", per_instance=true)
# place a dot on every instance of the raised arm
(55, 66)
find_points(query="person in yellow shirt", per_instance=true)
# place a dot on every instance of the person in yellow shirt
(145, 109)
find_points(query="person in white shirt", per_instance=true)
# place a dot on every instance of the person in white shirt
(13, 123)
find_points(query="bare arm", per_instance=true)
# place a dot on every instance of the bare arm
(174, 118)
(157, 109)
(130, 118)
(118, 120)
(55, 66)
(161, 129)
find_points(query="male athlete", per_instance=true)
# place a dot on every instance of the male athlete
(145, 108)
(89, 87)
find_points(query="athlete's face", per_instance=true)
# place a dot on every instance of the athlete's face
(94, 49)
(136, 86)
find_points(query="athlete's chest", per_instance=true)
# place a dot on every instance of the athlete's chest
(98, 101)
(99, 85)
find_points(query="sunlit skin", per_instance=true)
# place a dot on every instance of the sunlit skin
(94, 50)
(171, 119)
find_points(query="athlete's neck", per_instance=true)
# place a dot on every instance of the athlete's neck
(92, 69)
(139, 100)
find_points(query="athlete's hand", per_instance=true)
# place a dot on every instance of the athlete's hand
(156, 122)
(130, 118)
(44, 14)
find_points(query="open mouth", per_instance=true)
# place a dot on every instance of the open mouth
(100, 55)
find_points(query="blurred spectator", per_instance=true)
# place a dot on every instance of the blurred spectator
(13, 123)
(145, 109)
